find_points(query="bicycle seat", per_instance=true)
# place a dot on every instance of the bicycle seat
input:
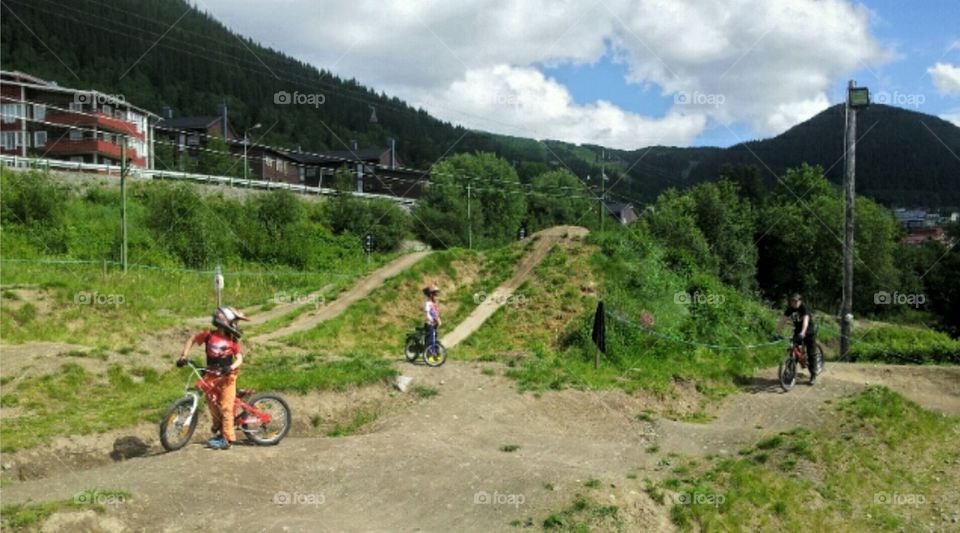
(241, 393)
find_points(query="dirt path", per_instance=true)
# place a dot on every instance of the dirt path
(500, 296)
(359, 291)
(432, 465)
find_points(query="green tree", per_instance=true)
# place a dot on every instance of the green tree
(216, 160)
(557, 197)
(497, 202)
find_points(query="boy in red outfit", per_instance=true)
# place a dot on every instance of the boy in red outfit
(224, 357)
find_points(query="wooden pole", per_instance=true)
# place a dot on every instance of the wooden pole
(123, 205)
(846, 311)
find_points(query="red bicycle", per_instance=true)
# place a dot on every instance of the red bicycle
(264, 419)
(796, 355)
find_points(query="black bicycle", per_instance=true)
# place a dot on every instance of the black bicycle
(434, 354)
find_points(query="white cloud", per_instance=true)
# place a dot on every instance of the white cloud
(766, 63)
(526, 103)
(952, 116)
(946, 78)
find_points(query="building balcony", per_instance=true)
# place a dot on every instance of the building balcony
(99, 120)
(66, 147)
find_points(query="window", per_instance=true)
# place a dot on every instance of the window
(76, 106)
(9, 140)
(40, 111)
(193, 139)
(39, 139)
(106, 110)
(77, 159)
(76, 135)
(10, 112)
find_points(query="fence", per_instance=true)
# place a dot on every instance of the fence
(57, 164)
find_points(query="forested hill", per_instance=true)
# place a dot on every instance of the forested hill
(199, 63)
(904, 157)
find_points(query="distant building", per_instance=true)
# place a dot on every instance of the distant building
(624, 213)
(39, 118)
(189, 136)
(923, 235)
(374, 170)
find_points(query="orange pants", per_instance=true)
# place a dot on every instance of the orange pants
(222, 414)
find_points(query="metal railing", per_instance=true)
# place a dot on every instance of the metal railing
(142, 173)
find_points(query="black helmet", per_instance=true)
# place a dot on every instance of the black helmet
(226, 318)
(431, 290)
(795, 297)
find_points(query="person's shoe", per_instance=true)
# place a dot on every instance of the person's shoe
(813, 379)
(219, 443)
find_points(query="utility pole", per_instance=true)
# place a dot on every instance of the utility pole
(469, 221)
(856, 98)
(218, 284)
(123, 204)
(603, 186)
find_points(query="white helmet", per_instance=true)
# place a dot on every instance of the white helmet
(227, 317)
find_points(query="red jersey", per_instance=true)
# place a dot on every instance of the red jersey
(220, 350)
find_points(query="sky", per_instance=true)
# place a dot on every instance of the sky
(621, 73)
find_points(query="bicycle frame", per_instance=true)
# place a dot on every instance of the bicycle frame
(210, 391)
(799, 353)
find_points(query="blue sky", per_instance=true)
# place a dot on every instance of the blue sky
(919, 33)
(625, 73)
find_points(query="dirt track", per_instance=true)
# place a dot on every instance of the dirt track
(423, 466)
(343, 301)
(545, 241)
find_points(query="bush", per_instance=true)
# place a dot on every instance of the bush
(898, 345)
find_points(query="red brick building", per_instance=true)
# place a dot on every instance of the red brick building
(39, 118)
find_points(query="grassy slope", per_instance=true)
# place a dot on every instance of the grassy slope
(379, 323)
(880, 463)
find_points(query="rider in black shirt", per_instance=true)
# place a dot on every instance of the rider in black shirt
(805, 332)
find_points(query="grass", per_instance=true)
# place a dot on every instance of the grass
(560, 289)
(652, 340)
(75, 401)
(509, 448)
(852, 474)
(360, 419)
(584, 515)
(379, 323)
(29, 515)
(109, 308)
(425, 392)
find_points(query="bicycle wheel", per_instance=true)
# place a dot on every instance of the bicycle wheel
(412, 350)
(435, 355)
(788, 372)
(280, 421)
(177, 426)
(822, 360)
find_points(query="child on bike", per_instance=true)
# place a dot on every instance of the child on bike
(804, 332)
(224, 357)
(432, 319)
